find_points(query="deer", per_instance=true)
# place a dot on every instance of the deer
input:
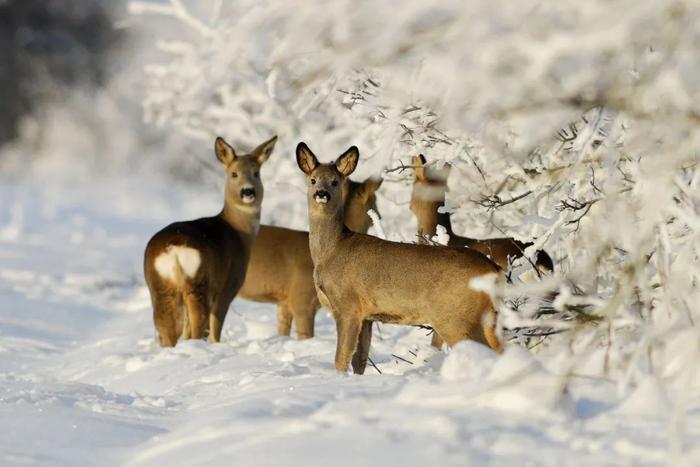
(361, 279)
(428, 205)
(280, 270)
(195, 268)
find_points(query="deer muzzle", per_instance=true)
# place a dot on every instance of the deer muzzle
(322, 196)
(248, 195)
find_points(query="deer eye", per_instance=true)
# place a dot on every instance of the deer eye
(334, 183)
(234, 174)
(256, 174)
(313, 181)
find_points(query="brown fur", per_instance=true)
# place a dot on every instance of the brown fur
(281, 271)
(428, 197)
(187, 305)
(361, 278)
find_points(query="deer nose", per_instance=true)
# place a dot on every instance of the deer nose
(248, 194)
(322, 196)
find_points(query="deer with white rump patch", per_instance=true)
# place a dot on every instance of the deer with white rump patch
(194, 269)
(362, 279)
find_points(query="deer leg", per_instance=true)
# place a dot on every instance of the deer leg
(165, 307)
(489, 330)
(304, 322)
(185, 331)
(359, 360)
(284, 319)
(348, 334)
(216, 321)
(197, 313)
(305, 315)
(436, 340)
(450, 334)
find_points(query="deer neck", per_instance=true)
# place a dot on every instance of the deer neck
(243, 218)
(428, 225)
(325, 231)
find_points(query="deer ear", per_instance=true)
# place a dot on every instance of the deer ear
(419, 166)
(262, 152)
(347, 162)
(306, 160)
(224, 151)
(371, 185)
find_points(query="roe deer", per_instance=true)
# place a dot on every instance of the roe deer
(361, 278)
(281, 271)
(194, 269)
(427, 199)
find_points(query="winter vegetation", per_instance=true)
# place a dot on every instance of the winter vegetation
(572, 125)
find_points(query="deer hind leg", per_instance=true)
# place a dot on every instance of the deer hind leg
(304, 310)
(449, 335)
(436, 341)
(197, 311)
(359, 360)
(185, 334)
(458, 329)
(348, 335)
(488, 324)
(284, 319)
(166, 307)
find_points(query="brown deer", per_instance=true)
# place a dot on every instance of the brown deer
(281, 271)
(194, 268)
(362, 279)
(428, 202)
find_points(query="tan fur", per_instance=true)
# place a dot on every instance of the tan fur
(429, 188)
(281, 271)
(361, 278)
(194, 269)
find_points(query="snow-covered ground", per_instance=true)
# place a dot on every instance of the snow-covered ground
(82, 381)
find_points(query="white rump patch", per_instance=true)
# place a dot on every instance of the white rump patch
(187, 258)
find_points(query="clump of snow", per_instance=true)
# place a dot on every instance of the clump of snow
(468, 361)
(514, 381)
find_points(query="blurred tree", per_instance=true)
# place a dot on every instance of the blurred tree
(46, 48)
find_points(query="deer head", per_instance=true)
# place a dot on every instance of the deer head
(244, 189)
(429, 188)
(359, 198)
(325, 182)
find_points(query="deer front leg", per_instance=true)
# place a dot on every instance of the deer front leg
(216, 321)
(348, 333)
(284, 320)
(359, 360)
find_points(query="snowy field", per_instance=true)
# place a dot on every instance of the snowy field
(82, 381)
(572, 125)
